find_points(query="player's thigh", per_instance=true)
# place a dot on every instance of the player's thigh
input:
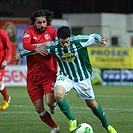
(84, 89)
(48, 83)
(63, 85)
(35, 91)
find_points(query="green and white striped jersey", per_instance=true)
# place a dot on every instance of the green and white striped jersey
(74, 62)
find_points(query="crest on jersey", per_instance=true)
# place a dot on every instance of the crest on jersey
(47, 36)
(68, 57)
(26, 35)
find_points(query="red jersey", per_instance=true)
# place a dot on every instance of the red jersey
(38, 64)
(5, 46)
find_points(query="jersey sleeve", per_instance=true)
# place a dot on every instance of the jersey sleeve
(92, 39)
(7, 45)
(29, 52)
(27, 41)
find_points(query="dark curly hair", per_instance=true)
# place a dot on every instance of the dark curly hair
(42, 13)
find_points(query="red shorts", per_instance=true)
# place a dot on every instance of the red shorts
(2, 70)
(39, 85)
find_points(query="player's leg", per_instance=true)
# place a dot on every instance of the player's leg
(4, 93)
(62, 86)
(96, 107)
(36, 95)
(88, 95)
(44, 114)
(50, 101)
(98, 111)
(59, 94)
(49, 92)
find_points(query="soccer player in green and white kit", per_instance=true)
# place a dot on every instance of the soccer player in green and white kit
(75, 72)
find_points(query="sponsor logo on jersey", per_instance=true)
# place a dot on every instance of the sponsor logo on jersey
(47, 36)
(35, 38)
(85, 89)
(68, 57)
(26, 35)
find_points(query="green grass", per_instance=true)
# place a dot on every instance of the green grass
(116, 101)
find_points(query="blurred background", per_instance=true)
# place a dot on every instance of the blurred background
(24, 8)
(113, 64)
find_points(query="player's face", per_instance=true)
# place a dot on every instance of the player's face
(40, 24)
(64, 42)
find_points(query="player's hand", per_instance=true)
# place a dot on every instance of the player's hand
(18, 58)
(42, 50)
(4, 64)
(103, 41)
(46, 43)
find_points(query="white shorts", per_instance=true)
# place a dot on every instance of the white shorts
(83, 88)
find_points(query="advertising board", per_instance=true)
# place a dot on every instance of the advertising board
(111, 57)
(15, 75)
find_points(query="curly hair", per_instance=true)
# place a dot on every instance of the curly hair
(42, 13)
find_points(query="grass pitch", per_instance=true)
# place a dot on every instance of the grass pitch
(116, 101)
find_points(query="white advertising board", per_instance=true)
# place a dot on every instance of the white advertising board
(15, 75)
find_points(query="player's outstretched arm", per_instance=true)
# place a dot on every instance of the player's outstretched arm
(41, 50)
(101, 39)
(19, 56)
(93, 39)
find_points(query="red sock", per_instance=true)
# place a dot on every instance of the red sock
(48, 120)
(4, 93)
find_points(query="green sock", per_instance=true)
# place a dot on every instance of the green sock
(64, 107)
(101, 115)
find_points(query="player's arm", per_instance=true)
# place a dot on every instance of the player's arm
(93, 39)
(39, 49)
(101, 39)
(7, 45)
(19, 55)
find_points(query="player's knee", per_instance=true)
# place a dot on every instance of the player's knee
(38, 109)
(92, 104)
(58, 97)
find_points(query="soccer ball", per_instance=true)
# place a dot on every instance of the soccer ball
(84, 128)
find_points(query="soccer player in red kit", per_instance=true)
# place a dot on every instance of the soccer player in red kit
(5, 52)
(41, 73)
